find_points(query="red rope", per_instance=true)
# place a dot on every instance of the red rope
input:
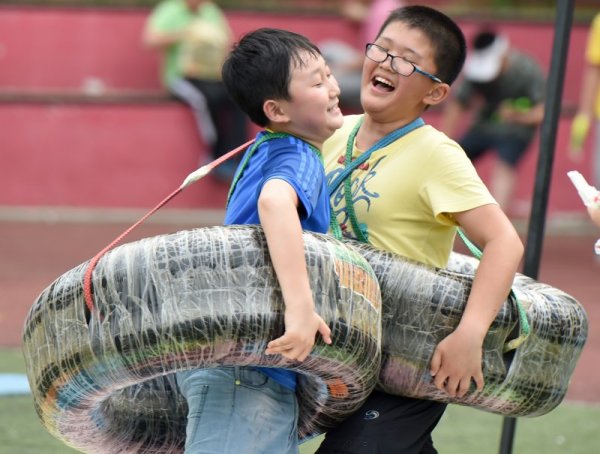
(87, 279)
(229, 154)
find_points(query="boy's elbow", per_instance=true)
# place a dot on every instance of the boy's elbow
(516, 245)
(520, 248)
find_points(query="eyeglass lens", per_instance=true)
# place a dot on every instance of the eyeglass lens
(400, 65)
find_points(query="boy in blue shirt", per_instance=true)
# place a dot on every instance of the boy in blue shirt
(281, 81)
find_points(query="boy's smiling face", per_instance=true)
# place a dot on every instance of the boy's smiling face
(312, 113)
(387, 94)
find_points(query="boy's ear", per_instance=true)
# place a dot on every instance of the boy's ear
(275, 112)
(437, 94)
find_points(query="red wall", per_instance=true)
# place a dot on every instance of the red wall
(101, 156)
(132, 155)
(61, 48)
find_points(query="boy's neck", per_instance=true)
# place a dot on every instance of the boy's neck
(373, 130)
(317, 145)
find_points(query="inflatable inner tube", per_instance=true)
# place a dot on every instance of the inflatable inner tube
(103, 381)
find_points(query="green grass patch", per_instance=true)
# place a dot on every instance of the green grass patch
(11, 361)
(21, 431)
(571, 428)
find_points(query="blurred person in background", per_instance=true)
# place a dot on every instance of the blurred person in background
(589, 103)
(506, 88)
(346, 60)
(194, 38)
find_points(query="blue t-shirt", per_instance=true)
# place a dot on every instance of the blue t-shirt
(294, 161)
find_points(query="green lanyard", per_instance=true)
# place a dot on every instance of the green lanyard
(268, 136)
(360, 231)
(333, 224)
(524, 328)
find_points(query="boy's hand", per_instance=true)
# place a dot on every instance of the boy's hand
(301, 326)
(455, 362)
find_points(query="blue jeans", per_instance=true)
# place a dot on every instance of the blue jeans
(238, 410)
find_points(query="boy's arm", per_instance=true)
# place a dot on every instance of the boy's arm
(529, 117)
(277, 208)
(457, 359)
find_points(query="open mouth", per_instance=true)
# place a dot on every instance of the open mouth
(382, 83)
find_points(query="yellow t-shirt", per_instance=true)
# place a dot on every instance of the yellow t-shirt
(592, 52)
(406, 193)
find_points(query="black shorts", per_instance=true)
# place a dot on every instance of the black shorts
(386, 424)
(509, 150)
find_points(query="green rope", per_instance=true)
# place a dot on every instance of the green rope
(524, 328)
(360, 231)
(268, 136)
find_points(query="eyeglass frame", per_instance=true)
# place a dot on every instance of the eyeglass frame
(388, 55)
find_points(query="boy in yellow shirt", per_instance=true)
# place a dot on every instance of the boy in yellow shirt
(412, 189)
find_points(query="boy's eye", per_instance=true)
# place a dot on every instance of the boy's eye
(320, 80)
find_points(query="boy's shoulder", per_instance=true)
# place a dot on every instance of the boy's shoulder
(281, 149)
(434, 145)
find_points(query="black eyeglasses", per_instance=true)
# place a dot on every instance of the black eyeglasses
(399, 64)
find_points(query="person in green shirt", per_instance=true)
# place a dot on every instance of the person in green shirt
(194, 37)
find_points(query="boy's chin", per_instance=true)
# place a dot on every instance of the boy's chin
(371, 103)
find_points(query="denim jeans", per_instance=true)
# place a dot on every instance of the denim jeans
(238, 410)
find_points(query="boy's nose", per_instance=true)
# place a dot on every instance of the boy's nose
(335, 88)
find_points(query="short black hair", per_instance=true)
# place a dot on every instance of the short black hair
(447, 39)
(259, 68)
